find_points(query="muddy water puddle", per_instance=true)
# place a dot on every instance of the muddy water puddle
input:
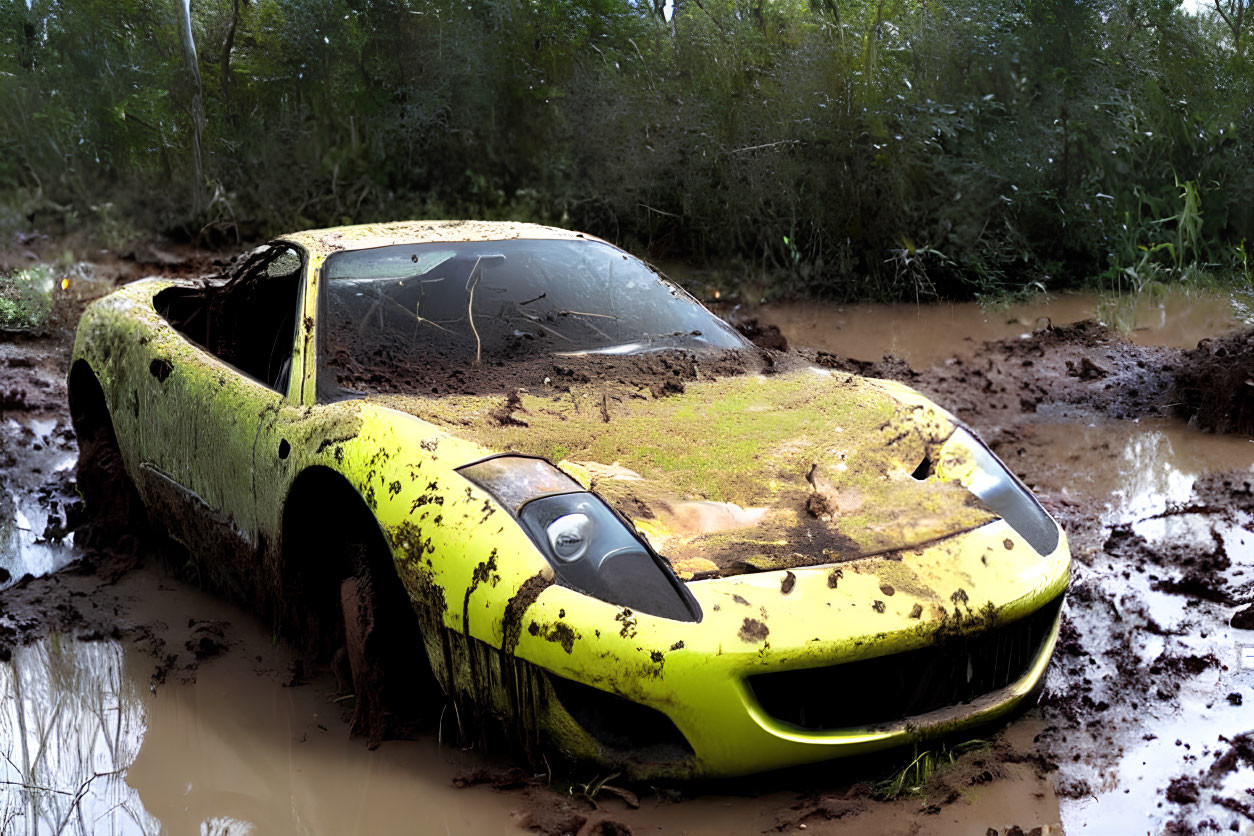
(1135, 470)
(90, 749)
(928, 333)
(1131, 789)
(89, 744)
(1162, 606)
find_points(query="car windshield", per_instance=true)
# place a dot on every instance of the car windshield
(393, 316)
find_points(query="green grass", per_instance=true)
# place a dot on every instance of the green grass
(913, 779)
(25, 297)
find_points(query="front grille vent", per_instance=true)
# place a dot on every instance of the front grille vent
(892, 688)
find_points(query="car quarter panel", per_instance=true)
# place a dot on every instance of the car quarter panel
(461, 557)
(147, 370)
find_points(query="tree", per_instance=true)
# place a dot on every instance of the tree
(1234, 14)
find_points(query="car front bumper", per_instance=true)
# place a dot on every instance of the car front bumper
(822, 618)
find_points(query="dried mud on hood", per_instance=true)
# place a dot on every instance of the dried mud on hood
(732, 473)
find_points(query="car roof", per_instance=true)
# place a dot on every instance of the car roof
(323, 242)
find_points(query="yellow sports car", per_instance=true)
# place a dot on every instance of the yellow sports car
(516, 465)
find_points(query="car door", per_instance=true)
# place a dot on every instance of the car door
(218, 398)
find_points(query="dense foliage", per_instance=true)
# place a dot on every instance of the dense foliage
(877, 148)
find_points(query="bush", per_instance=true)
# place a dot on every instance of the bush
(25, 298)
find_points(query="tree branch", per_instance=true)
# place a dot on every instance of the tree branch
(720, 26)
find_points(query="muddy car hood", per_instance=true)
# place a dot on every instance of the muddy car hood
(739, 474)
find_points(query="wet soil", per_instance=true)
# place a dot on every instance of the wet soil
(1215, 389)
(1145, 708)
(160, 707)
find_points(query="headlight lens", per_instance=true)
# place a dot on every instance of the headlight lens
(966, 458)
(569, 534)
(590, 548)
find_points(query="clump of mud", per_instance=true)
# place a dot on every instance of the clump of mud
(1189, 790)
(1215, 384)
(890, 367)
(659, 373)
(1080, 368)
(761, 335)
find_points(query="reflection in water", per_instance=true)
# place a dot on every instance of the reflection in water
(238, 753)
(1137, 469)
(33, 498)
(1132, 791)
(225, 826)
(86, 748)
(71, 722)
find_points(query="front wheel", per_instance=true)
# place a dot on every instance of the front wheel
(351, 609)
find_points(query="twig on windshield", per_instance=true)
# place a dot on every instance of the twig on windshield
(418, 317)
(535, 321)
(472, 282)
(584, 313)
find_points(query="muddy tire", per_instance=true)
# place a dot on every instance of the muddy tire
(114, 514)
(374, 624)
(352, 611)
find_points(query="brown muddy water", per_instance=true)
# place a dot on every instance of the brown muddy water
(131, 702)
(926, 334)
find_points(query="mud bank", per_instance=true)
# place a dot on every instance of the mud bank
(1215, 387)
(1143, 719)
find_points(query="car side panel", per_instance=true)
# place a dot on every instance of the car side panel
(452, 543)
(138, 359)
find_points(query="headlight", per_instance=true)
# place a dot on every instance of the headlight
(589, 546)
(569, 535)
(965, 458)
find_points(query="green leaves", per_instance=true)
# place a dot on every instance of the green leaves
(838, 147)
(25, 298)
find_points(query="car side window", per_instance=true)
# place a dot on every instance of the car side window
(248, 319)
